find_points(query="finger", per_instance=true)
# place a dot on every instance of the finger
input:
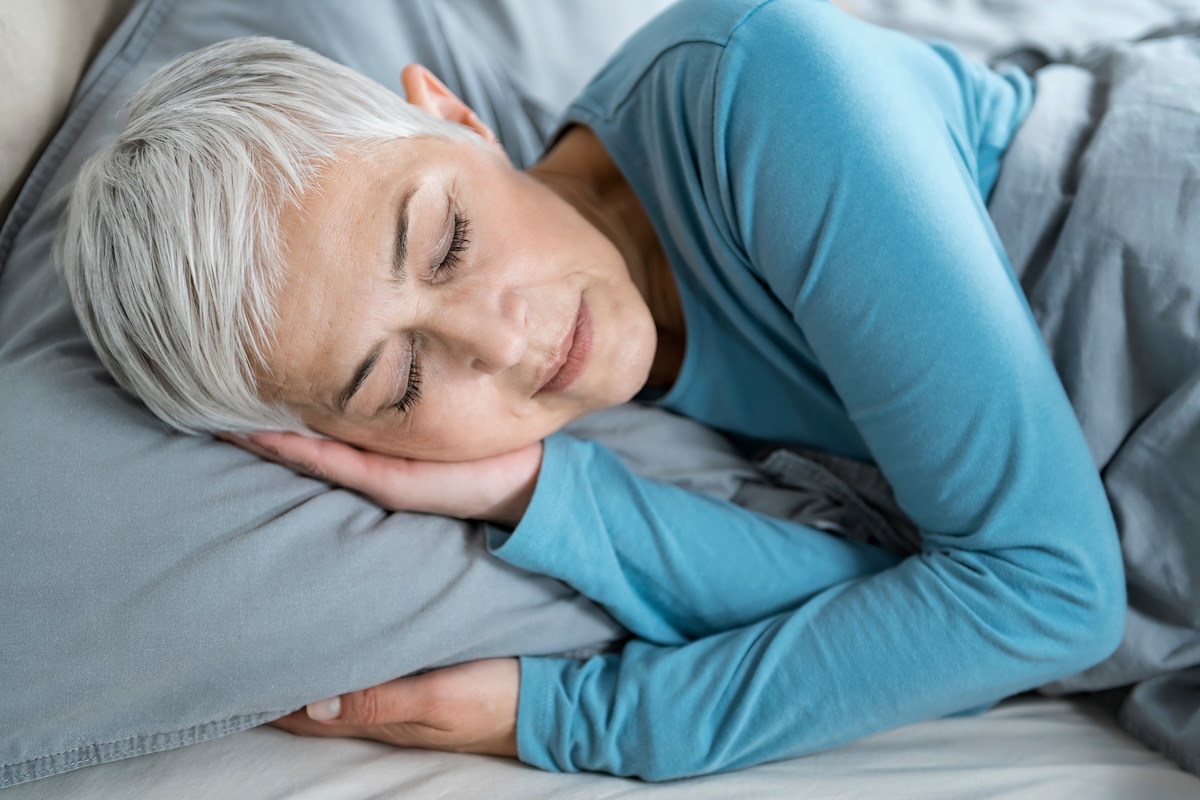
(455, 488)
(400, 734)
(291, 447)
(304, 454)
(295, 723)
(327, 458)
(391, 481)
(250, 447)
(398, 701)
(298, 724)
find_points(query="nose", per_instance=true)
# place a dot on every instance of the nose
(488, 329)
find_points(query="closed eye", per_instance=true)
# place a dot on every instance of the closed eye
(458, 245)
(412, 391)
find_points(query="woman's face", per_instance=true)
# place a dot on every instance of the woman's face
(439, 304)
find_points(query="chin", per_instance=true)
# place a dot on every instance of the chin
(637, 362)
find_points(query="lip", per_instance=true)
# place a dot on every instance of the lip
(572, 355)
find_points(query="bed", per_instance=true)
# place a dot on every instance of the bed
(1027, 747)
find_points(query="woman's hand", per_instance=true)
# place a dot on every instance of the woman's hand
(496, 489)
(467, 708)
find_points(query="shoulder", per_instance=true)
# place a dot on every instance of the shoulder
(809, 46)
(731, 22)
(678, 47)
(698, 21)
(698, 51)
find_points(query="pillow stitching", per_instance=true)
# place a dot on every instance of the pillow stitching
(202, 732)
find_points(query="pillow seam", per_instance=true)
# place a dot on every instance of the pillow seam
(26, 771)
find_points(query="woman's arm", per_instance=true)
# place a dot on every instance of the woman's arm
(670, 565)
(857, 207)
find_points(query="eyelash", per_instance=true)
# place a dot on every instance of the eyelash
(458, 245)
(412, 394)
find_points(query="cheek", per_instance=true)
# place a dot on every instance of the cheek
(537, 229)
(461, 422)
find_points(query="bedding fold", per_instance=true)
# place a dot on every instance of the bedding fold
(1098, 206)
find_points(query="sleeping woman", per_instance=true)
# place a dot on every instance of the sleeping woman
(765, 215)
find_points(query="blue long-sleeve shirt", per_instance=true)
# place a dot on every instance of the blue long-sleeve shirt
(819, 186)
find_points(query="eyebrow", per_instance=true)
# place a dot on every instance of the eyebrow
(360, 376)
(399, 274)
(400, 253)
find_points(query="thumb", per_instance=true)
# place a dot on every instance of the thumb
(395, 701)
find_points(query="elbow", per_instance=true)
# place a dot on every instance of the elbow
(1072, 606)
(1103, 632)
(1094, 625)
(1113, 606)
(1107, 606)
(1110, 616)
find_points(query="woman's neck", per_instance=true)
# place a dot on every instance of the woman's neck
(580, 171)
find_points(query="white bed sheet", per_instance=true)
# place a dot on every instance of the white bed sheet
(1028, 748)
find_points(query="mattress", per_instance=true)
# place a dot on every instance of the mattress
(1028, 748)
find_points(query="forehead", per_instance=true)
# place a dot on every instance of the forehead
(332, 240)
(336, 244)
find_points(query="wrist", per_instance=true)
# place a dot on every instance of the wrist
(510, 513)
(510, 510)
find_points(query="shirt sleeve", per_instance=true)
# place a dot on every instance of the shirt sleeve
(849, 192)
(854, 202)
(668, 564)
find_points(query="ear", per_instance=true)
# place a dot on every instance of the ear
(425, 91)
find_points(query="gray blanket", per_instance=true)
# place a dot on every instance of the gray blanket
(1098, 205)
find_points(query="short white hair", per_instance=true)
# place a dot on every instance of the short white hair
(170, 244)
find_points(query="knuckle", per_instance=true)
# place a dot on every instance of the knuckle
(439, 690)
(367, 707)
(442, 701)
(312, 468)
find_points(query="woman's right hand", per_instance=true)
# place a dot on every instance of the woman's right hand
(465, 708)
(495, 489)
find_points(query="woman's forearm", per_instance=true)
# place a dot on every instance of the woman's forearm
(669, 564)
(766, 639)
(891, 649)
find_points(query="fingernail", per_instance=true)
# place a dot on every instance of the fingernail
(325, 710)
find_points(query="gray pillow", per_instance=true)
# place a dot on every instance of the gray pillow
(160, 589)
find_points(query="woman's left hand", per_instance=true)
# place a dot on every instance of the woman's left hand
(467, 708)
(496, 489)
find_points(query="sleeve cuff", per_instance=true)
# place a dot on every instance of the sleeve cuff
(534, 711)
(521, 546)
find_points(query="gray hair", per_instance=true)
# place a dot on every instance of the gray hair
(169, 243)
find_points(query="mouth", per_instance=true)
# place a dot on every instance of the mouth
(571, 357)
